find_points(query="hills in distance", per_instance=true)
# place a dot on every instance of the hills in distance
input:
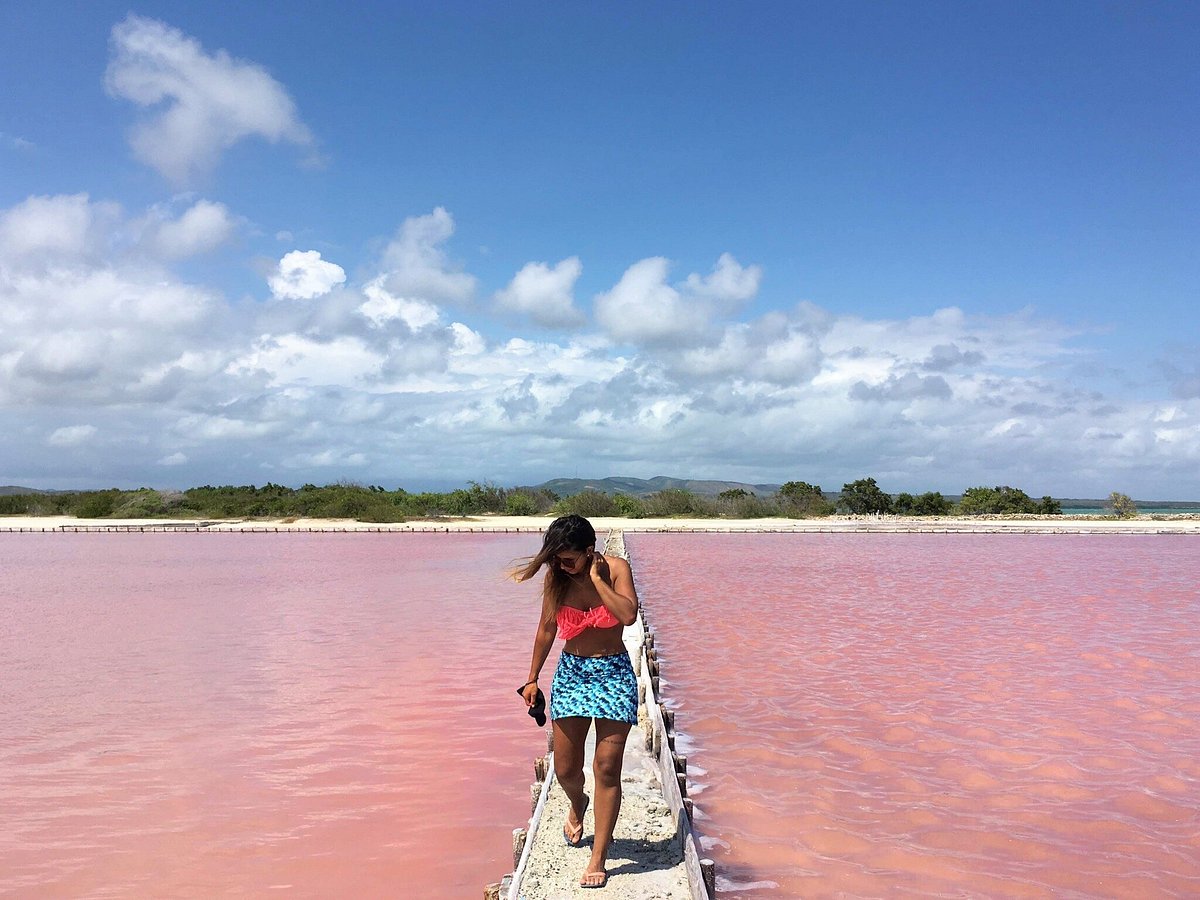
(644, 487)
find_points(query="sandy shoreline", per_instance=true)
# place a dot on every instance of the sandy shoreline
(832, 524)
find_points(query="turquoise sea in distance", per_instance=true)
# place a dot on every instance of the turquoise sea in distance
(1142, 510)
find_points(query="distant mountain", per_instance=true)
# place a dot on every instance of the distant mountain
(8, 489)
(644, 487)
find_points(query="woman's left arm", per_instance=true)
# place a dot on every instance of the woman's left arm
(614, 583)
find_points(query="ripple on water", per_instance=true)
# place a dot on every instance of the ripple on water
(933, 714)
(330, 715)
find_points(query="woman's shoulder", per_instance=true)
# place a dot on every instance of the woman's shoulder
(617, 563)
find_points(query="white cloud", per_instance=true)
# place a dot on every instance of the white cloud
(382, 307)
(58, 230)
(200, 104)
(544, 293)
(14, 142)
(303, 275)
(729, 282)
(643, 309)
(72, 435)
(415, 266)
(176, 378)
(202, 227)
(295, 359)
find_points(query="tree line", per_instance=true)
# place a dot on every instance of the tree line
(373, 503)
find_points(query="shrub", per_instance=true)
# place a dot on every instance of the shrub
(629, 506)
(519, 503)
(587, 504)
(674, 502)
(1004, 499)
(96, 504)
(801, 500)
(1121, 506)
(864, 497)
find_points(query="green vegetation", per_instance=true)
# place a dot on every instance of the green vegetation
(863, 497)
(804, 500)
(333, 501)
(931, 503)
(372, 503)
(1122, 506)
(1003, 499)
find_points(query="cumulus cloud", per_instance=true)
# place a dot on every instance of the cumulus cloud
(382, 308)
(909, 386)
(202, 227)
(198, 104)
(373, 376)
(727, 283)
(642, 308)
(544, 293)
(59, 230)
(303, 275)
(72, 435)
(416, 266)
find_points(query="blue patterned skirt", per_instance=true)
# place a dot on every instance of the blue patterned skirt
(597, 687)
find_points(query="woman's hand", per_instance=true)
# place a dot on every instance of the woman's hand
(529, 693)
(599, 569)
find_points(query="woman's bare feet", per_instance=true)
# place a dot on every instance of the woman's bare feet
(573, 829)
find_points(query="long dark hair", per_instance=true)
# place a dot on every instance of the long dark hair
(565, 533)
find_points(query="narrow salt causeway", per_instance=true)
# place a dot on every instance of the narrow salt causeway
(654, 854)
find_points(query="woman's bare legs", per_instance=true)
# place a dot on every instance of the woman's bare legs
(606, 768)
(569, 736)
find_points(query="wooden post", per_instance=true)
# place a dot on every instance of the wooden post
(550, 741)
(654, 684)
(492, 891)
(506, 885)
(535, 794)
(519, 837)
(708, 869)
(687, 806)
(682, 779)
(680, 763)
(540, 765)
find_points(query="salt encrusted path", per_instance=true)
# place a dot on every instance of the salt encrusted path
(489, 523)
(652, 846)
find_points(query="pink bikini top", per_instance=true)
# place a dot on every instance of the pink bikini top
(572, 622)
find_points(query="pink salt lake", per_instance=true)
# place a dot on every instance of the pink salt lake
(191, 715)
(936, 715)
(328, 715)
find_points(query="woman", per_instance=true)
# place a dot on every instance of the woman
(585, 596)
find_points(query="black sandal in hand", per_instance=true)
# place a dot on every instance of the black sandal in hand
(537, 711)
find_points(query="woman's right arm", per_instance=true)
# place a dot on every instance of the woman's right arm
(543, 640)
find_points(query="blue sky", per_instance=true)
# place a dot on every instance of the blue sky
(941, 244)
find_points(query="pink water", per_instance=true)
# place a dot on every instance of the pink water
(241, 714)
(936, 715)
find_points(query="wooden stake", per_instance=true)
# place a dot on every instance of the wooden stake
(687, 806)
(519, 837)
(492, 891)
(535, 794)
(682, 779)
(708, 869)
